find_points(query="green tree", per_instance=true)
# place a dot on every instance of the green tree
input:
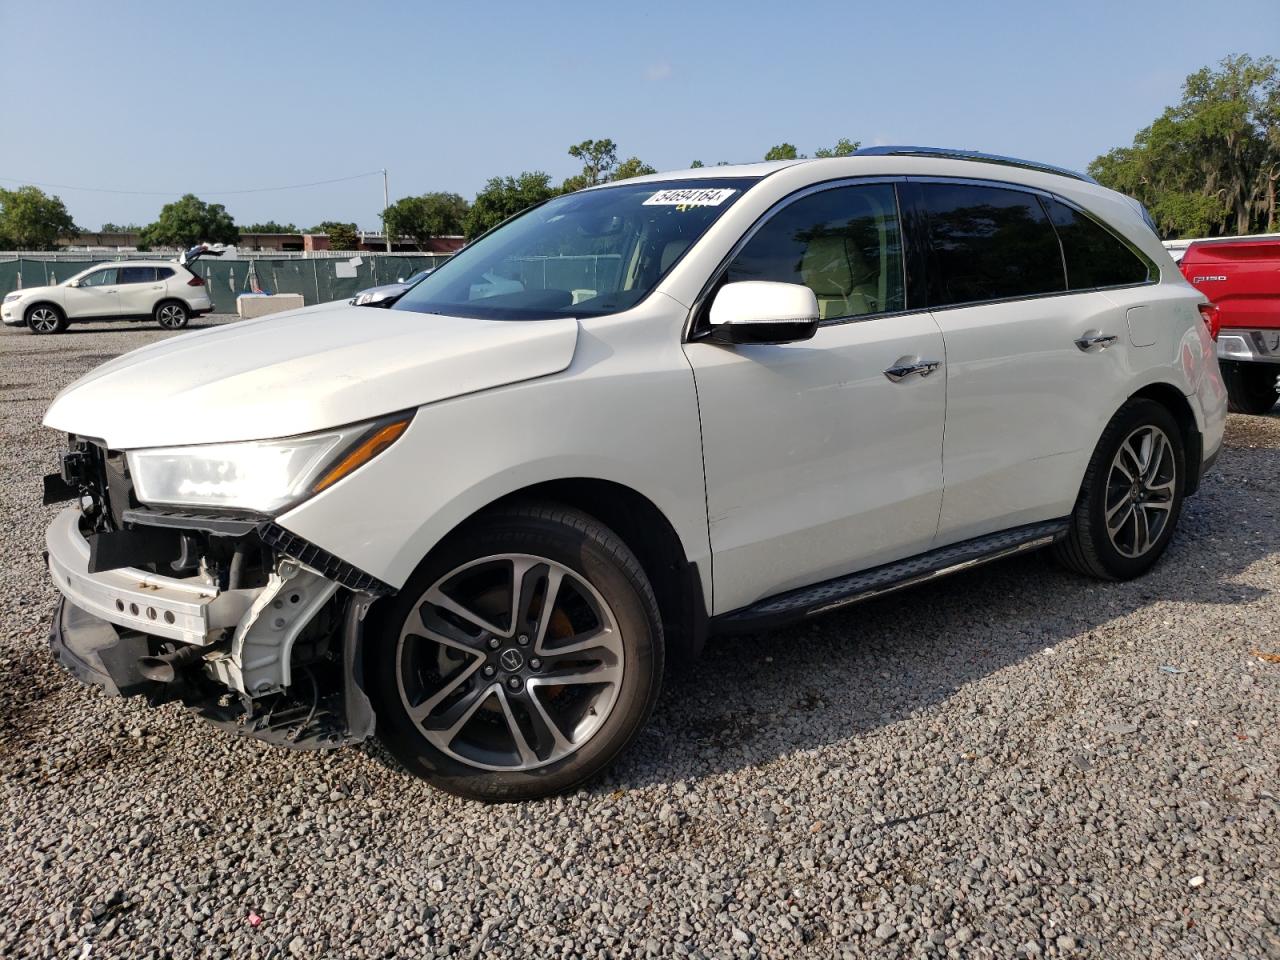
(30, 219)
(189, 221)
(342, 236)
(427, 216)
(844, 147)
(1208, 164)
(631, 167)
(110, 227)
(696, 164)
(598, 160)
(504, 197)
(782, 151)
(270, 226)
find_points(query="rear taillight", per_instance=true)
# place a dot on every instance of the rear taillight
(1209, 314)
(196, 282)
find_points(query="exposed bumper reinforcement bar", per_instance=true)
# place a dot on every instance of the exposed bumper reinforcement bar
(188, 611)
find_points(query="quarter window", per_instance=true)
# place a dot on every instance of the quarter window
(844, 244)
(1095, 258)
(988, 243)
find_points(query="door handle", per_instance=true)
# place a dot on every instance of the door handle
(1092, 339)
(158, 287)
(907, 366)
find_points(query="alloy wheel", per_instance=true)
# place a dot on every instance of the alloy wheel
(172, 316)
(509, 662)
(1140, 491)
(44, 320)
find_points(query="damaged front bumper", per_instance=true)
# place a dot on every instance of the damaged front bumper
(279, 661)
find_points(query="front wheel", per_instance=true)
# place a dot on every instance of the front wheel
(45, 318)
(1131, 497)
(171, 315)
(521, 658)
(1251, 387)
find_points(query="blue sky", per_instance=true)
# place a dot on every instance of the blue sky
(235, 95)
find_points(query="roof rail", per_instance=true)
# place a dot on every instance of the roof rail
(975, 155)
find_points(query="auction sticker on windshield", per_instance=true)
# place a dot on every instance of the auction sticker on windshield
(690, 197)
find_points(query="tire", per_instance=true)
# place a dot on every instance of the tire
(46, 318)
(1251, 387)
(1090, 547)
(603, 624)
(171, 314)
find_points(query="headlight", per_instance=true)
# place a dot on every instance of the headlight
(260, 475)
(10, 297)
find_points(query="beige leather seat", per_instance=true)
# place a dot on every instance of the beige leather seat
(840, 277)
(670, 252)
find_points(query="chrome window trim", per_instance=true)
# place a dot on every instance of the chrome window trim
(692, 335)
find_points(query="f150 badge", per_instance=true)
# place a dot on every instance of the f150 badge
(1205, 279)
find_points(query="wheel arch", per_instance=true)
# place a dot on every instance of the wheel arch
(170, 298)
(1173, 400)
(647, 531)
(26, 312)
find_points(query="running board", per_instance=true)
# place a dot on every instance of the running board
(855, 587)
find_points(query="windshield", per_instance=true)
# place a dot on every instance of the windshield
(589, 253)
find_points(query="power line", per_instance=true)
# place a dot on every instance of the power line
(174, 193)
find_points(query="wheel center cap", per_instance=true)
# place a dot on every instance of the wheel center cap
(511, 660)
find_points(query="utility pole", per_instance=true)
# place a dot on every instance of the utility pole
(386, 202)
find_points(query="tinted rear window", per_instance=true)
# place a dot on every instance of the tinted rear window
(137, 274)
(163, 273)
(1095, 258)
(988, 243)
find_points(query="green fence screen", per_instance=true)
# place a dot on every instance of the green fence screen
(318, 280)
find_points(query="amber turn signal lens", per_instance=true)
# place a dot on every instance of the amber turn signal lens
(363, 452)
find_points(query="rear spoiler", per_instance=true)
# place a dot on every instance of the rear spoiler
(201, 250)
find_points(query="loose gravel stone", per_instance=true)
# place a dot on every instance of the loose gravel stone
(993, 765)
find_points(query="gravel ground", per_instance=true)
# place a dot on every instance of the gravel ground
(1013, 763)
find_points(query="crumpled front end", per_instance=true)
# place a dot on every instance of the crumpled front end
(251, 627)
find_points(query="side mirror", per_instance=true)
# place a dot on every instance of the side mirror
(764, 311)
(73, 283)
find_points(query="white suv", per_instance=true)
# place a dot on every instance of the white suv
(161, 290)
(704, 402)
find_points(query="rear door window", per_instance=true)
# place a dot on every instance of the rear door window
(988, 243)
(844, 244)
(1095, 258)
(137, 274)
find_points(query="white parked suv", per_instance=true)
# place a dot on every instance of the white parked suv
(706, 402)
(161, 290)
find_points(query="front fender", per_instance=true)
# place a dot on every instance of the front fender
(625, 416)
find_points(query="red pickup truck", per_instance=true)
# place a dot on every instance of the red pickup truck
(1241, 276)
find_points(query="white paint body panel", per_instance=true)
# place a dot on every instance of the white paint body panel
(289, 374)
(624, 411)
(1025, 407)
(816, 464)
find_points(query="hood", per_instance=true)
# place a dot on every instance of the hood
(305, 370)
(28, 291)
